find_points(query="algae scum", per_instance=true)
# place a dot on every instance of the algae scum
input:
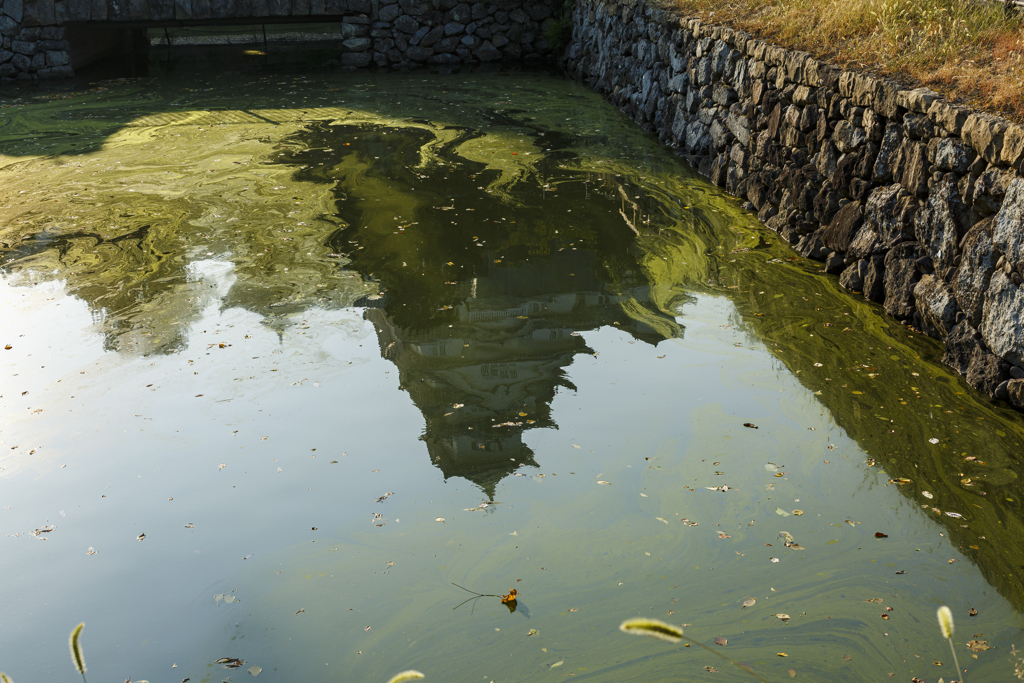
(290, 356)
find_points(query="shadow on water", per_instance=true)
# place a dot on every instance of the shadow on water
(481, 241)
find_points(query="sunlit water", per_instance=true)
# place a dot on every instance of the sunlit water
(291, 355)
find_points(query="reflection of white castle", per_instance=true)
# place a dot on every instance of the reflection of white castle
(504, 356)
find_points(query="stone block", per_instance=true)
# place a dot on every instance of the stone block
(350, 30)
(1002, 319)
(360, 7)
(38, 13)
(901, 275)
(419, 53)
(847, 136)
(81, 10)
(844, 225)
(7, 70)
(984, 132)
(389, 13)
(406, 24)
(8, 26)
(887, 99)
(990, 189)
(435, 34)
(918, 100)
(1013, 148)
(1008, 226)
(360, 44)
(978, 262)
(38, 62)
(219, 9)
(891, 212)
(950, 116)
(57, 58)
(966, 353)
(936, 305)
(99, 10)
(950, 154)
(487, 52)
(14, 9)
(22, 47)
(941, 223)
(911, 167)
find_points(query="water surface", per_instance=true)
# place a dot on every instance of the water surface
(330, 343)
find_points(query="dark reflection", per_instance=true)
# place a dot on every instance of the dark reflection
(486, 288)
(884, 386)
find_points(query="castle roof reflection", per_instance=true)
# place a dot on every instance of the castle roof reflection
(491, 374)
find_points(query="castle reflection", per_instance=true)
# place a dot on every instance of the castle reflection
(491, 374)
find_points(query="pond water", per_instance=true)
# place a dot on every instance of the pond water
(287, 356)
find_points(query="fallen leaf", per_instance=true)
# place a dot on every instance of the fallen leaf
(798, 512)
(662, 519)
(750, 425)
(847, 658)
(141, 537)
(774, 559)
(781, 512)
(972, 612)
(367, 628)
(719, 640)
(977, 645)
(438, 519)
(601, 481)
(532, 632)
(784, 617)
(792, 673)
(711, 669)
(750, 602)
(254, 670)
(782, 654)
(879, 534)
(560, 662)
(722, 534)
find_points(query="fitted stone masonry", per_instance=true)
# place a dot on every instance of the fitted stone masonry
(36, 43)
(915, 203)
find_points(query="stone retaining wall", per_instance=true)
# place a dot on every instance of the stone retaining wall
(374, 32)
(27, 51)
(916, 203)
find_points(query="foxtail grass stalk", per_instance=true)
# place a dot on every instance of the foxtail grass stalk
(946, 626)
(659, 629)
(77, 657)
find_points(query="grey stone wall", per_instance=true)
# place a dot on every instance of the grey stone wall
(28, 53)
(912, 201)
(374, 32)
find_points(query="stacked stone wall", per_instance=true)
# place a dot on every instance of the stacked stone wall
(914, 202)
(373, 32)
(30, 52)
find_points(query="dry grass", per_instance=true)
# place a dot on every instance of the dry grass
(969, 51)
